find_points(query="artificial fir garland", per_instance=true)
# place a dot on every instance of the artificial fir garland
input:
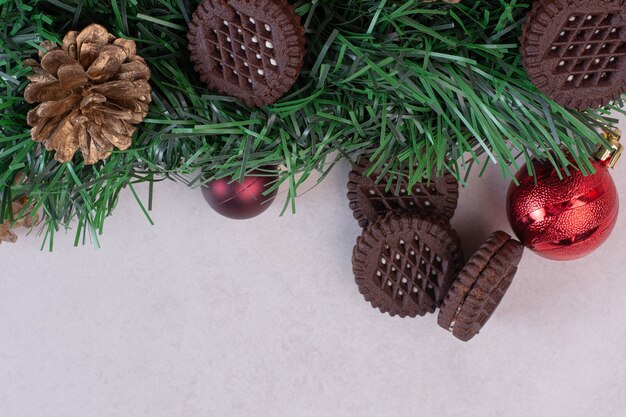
(428, 85)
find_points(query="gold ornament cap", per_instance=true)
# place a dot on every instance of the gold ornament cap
(609, 156)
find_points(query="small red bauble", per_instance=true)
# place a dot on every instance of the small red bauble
(241, 200)
(566, 218)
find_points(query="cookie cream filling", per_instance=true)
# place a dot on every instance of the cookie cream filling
(453, 322)
(469, 290)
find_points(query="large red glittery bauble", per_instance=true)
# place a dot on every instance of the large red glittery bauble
(566, 218)
(241, 200)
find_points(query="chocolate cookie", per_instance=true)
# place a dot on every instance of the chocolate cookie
(370, 199)
(249, 49)
(404, 265)
(575, 50)
(480, 286)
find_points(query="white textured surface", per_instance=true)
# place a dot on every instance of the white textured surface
(202, 316)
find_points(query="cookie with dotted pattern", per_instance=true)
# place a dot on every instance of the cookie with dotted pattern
(371, 197)
(249, 49)
(404, 264)
(575, 50)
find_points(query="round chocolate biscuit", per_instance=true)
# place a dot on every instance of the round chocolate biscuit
(405, 264)
(369, 199)
(480, 286)
(575, 50)
(249, 49)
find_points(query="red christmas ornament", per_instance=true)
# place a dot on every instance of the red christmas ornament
(241, 200)
(563, 219)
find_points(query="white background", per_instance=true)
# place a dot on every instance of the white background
(204, 316)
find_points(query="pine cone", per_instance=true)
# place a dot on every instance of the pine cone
(27, 220)
(91, 91)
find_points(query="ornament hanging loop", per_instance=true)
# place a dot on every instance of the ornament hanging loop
(609, 157)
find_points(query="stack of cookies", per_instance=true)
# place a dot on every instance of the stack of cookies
(408, 260)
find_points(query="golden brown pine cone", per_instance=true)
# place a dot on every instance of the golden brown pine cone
(91, 91)
(27, 220)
